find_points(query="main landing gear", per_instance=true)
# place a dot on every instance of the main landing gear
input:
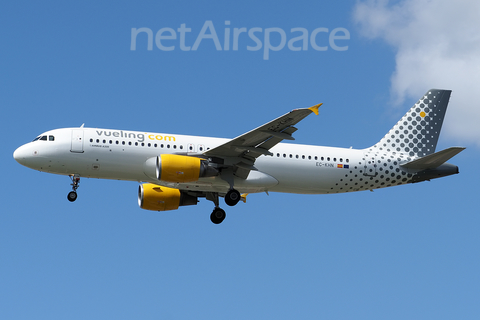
(218, 215)
(231, 198)
(72, 195)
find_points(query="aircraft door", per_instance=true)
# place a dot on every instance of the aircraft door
(77, 141)
(370, 168)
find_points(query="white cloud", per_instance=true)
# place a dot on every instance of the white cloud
(437, 45)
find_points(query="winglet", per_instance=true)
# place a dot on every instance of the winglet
(243, 197)
(314, 109)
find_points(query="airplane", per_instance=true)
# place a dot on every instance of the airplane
(175, 170)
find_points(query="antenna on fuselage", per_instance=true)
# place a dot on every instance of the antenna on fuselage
(82, 125)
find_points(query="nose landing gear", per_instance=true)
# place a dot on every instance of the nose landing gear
(72, 195)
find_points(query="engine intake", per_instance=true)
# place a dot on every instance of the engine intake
(157, 198)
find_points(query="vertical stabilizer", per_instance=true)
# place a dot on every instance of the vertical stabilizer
(416, 134)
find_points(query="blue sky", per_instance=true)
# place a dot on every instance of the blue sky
(397, 253)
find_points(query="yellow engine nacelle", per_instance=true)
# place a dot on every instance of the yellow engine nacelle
(157, 198)
(175, 168)
(178, 169)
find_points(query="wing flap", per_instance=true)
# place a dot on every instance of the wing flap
(433, 160)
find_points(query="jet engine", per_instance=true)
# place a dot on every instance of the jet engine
(157, 198)
(178, 169)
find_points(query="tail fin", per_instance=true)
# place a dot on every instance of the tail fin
(416, 134)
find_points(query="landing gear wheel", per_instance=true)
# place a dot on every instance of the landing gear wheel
(217, 216)
(72, 196)
(232, 197)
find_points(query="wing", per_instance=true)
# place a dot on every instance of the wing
(242, 151)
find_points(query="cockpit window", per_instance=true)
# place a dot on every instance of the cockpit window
(44, 138)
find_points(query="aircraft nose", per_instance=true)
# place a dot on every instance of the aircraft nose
(21, 155)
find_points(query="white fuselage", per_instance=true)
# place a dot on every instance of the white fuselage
(293, 168)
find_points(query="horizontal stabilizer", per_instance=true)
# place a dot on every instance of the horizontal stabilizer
(433, 160)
